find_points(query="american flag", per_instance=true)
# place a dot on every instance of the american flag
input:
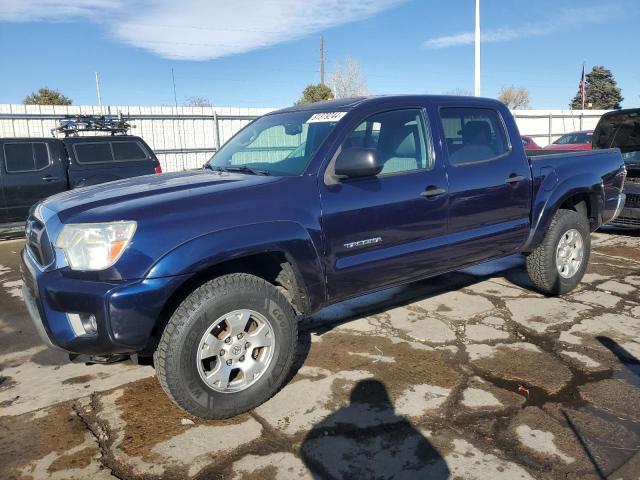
(583, 88)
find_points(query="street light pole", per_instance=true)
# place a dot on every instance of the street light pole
(477, 45)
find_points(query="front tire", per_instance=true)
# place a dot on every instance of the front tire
(228, 347)
(558, 264)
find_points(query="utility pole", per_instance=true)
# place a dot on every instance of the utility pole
(321, 60)
(98, 89)
(477, 45)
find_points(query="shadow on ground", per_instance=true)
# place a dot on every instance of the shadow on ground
(367, 439)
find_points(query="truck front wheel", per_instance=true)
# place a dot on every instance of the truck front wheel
(228, 347)
(557, 265)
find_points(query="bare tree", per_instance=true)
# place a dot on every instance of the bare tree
(514, 97)
(348, 80)
(196, 102)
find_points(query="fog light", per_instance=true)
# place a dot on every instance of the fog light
(83, 324)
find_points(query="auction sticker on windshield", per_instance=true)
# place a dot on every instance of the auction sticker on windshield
(326, 117)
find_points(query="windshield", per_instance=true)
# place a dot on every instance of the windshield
(574, 138)
(278, 144)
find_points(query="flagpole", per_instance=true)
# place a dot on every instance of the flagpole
(583, 86)
(477, 52)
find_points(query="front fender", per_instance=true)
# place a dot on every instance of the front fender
(551, 194)
(212, 249)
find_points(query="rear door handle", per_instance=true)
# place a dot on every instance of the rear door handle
(513, 178)
(49, 178)
(433, 191)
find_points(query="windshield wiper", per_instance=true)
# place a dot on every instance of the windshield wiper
(236, 168)
(245, 169)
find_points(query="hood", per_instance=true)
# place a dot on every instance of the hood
(618, 129)
(148, 189)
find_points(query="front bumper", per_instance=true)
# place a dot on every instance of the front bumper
(126, 312)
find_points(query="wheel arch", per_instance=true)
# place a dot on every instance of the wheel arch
(582, 193)
(289, 263)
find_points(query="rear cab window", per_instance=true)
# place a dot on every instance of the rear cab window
(106, 152)
(474, 134)
(123, 151)
(22, 157)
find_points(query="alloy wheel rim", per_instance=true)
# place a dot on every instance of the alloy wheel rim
(235, 351)
(569, 253)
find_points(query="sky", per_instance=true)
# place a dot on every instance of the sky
(262, 53)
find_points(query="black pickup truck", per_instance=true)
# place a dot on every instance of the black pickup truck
(621, 129)
(35, 168)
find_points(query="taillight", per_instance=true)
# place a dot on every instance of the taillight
(158, 169)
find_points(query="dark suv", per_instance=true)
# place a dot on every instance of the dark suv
(35, 168)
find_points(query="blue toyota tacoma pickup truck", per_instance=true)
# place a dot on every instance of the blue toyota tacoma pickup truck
(210, 270)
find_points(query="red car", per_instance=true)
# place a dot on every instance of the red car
(529, 143)
(573, 141)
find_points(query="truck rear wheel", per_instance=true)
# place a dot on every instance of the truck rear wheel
(228, 347)
(557, 265)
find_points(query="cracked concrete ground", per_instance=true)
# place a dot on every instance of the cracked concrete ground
(467, 375)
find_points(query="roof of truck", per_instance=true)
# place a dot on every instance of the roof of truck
(350, 103)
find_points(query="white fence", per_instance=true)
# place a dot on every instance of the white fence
(185, 137)
(545, 126)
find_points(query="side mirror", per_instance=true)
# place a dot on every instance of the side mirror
(358, 162)
(293, 128)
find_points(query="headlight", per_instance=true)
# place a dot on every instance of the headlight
(37, 212)
(95, 246)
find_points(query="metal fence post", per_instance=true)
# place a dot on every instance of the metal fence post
(581, 120)
(550, 127)
(216, 128)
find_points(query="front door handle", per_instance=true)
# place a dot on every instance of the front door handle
(433, 192)
(49, 178)
(514, 177)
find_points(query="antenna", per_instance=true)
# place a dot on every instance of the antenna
(175, 97)
(477, 44)
(321, 60)
(98, 89)
(175, 101)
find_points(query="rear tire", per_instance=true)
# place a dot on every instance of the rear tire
(558, 264)
(228, 347)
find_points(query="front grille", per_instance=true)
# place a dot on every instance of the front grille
(633, 200)
(634, 179)
(38, 242)
(627, 221)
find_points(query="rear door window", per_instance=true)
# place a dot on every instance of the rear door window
(473, 134)
(123, 151)
(26, 156)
